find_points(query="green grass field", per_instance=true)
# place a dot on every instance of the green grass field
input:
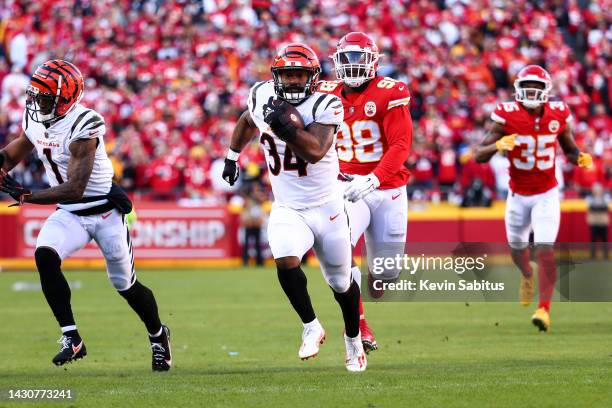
(235, 341)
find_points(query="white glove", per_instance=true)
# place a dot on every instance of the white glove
(360, 186)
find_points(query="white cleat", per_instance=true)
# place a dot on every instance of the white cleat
(312, 337)
(355, 356)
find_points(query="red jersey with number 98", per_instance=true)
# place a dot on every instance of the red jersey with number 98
(376, 134)
(532, 161)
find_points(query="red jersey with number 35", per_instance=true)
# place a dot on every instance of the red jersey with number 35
(532, 161)
(376, 134)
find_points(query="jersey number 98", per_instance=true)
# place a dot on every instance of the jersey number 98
(360, 141)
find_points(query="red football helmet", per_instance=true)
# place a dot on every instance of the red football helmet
(55, 87)
(295, 56)
(356, 59)
(523, 85)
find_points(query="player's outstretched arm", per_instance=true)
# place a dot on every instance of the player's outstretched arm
(313, 143)
(82, 155)
(15, 152)
(492, 143)
(571, 150)
(242, 134)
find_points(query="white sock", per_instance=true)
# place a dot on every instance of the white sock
(158, 333)
(356, 275)
(68, 328)
(312, 325)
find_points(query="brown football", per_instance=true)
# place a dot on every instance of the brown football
(292, 114)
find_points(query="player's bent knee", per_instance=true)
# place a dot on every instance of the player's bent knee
(45, 257)
(517, 243)
(287, 262)
(390, 274)
(339, 284)
(121, 283)
(544, 246)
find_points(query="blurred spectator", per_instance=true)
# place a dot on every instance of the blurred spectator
(598, 219)
(501, 167)
(172, 75)
(251, 219)
(477, 195)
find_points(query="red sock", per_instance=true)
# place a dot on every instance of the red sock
(547, 276)
(521, 259)
(361, 315)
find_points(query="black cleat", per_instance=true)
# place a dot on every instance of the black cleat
(70, 351)
(162, 354)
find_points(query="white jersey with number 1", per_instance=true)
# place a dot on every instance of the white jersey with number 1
(295, 183)
(53, 148)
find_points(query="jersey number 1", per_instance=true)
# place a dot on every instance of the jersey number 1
(58, 176)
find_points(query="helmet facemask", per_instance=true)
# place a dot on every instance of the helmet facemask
(295, 93)
(532, 92)
(355, 67)
(40, 106)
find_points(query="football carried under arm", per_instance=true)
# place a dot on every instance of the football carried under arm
(494, 141)
(311, 144)
(82, 155)
(571, 150)
(242, 134)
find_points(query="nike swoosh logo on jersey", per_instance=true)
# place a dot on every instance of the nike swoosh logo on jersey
(334, 217)
(105, 216)
(395, 196)
(401, 88)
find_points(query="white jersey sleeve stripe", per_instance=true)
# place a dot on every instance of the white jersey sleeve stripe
(398, 102)
(253, 99)
(315, 107)
(92, 123)
(78, 120)
(496, 118)
(332, 100)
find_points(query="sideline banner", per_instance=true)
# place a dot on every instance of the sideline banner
(162, 231)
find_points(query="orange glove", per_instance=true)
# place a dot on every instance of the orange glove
(506, 143)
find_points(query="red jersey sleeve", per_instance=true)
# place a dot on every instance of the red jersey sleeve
(397, 125)
(562, 113)
(502, 112)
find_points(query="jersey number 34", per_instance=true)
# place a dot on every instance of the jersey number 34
(289, 164)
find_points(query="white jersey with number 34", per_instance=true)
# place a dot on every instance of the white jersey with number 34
(296, 183)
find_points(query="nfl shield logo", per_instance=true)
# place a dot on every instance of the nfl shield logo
(370, 109)
(351, 110)
(553, 126)
(46, 135)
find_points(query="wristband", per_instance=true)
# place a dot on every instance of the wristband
(232, 155)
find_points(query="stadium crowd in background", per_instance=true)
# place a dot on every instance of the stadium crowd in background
(172, 77)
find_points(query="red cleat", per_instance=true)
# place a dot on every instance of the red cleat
(367, 337)
(374, 293)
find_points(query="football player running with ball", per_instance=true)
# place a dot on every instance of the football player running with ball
(297, 127)
(373, 143)
(69, 139)
(527, 130)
